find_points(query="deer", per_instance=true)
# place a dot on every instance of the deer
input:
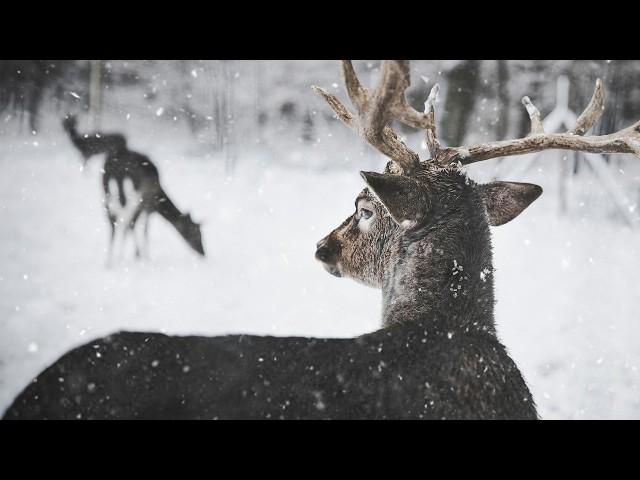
(420, 233)
(132, 192)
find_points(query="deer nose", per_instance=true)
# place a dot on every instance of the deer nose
(324, 252)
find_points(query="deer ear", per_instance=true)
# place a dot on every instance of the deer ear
(506, 200)
(402, 196)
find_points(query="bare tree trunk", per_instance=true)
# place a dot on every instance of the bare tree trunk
(184, 91)
(614, 81)
(229, 135)
(95, 92)
(307, 127)
(563, 179)
(218, 104)
(502, 127)
(257, 106)
(463, 82)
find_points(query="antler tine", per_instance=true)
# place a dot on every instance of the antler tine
(592, 113)
(534, 116)
(336, 105)
(376, 109)
(430, 112)
(357, 93)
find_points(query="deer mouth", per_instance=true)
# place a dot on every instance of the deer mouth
(332, 269)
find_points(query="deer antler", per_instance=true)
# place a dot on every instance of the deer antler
(623, 141)
(376, 108)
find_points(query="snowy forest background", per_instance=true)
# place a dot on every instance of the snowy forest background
(249, 149)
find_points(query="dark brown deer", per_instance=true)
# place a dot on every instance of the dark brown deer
(420, 232)
(132, 192)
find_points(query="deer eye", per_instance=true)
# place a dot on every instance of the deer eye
(364, 213)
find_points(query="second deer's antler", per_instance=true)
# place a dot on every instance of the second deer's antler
(376, 109)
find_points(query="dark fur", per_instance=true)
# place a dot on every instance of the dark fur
(437, 355)
(401, 372)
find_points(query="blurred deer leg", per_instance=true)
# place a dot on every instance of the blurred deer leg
(111, 218)
(130, 201)
(135, 227)
(128, 232)
(134, 232)
(146, 235)
(115, 215)
(112, 224)
(121, 235)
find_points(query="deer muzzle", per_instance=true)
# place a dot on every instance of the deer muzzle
(327, 252)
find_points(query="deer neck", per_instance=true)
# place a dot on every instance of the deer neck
(441, 277)
(76, 138)
(165, 207)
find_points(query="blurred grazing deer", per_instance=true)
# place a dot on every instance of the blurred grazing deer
(420, 232)
(132, 192)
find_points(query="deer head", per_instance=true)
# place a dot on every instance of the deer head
(417, 210)
(69, 122)
(394, 205)
(190, 231)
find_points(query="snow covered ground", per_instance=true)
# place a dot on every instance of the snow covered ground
(567, 287)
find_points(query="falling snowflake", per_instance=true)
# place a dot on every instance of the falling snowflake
(484, 273)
